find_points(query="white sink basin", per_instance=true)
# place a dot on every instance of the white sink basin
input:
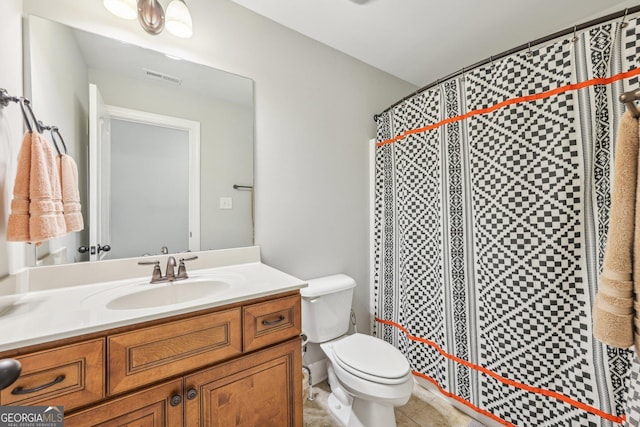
(156, 295)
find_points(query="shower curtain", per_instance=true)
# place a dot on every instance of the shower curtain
(492, 193)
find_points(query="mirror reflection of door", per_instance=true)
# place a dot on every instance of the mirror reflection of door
(99, 161)
(150, 173)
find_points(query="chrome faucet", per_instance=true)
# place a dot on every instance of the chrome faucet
(170, 274)
(182, 269)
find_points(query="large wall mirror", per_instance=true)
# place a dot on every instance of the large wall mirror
(164, 147)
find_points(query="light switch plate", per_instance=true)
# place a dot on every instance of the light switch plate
(226, 203)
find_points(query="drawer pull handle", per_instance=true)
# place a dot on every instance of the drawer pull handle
(192, 393)
(20, 390)
(176, 399)
(273, 322)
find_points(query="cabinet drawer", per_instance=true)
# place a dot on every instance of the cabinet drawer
(71, 376)
(150, 354)
(271, 322)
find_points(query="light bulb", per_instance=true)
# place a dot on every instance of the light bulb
(178, 19)
(127, 9)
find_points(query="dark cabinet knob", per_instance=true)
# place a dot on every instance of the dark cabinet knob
(105, 248)
(83, 249)
(192, 393)
(176, 399)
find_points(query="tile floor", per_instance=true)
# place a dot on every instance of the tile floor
(424, 409)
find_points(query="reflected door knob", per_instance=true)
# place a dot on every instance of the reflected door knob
(94, 249)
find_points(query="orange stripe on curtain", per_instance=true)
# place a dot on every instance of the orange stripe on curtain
(531, 389)
(527, 98)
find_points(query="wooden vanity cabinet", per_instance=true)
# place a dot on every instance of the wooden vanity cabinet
(233, 366)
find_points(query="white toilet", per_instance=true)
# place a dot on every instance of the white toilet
(368, 376)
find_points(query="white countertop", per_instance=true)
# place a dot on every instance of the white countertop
(36, 317)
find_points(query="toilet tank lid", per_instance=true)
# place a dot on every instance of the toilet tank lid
(327, 285)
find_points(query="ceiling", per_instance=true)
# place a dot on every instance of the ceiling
(422, 40)
(128, 60)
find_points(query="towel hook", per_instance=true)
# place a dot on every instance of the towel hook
(629, 98)
(25, 106)
(55, 131)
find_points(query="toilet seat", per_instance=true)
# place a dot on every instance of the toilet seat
(371, 359)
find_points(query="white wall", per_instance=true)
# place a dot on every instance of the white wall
(314, 109)
(11, 128)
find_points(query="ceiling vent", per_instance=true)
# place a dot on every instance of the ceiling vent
(156, 75)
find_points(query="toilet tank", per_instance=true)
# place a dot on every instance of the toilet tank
(326, 307)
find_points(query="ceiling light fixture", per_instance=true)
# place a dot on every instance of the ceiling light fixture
(179, 19)
(152, 17)
(126, 9)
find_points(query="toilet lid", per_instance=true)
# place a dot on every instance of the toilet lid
(371, 358)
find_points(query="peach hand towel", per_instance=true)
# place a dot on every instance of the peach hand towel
(613, 309)
(18, 224)
(70, 193)
(46, 218)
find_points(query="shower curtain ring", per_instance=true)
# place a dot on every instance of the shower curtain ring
(624, 22)
(575, 37)
(529, 53)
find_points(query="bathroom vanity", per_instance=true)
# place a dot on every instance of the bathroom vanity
(227, 357)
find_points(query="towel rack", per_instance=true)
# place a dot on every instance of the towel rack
(25, 105)
(629, 98)
(5, 98)
(51, 130)
(55, 131)
(242, 187)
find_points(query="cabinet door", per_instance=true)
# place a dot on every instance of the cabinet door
(154, 407)
(259, 390)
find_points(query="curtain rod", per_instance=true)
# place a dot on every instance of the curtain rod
(556, 35)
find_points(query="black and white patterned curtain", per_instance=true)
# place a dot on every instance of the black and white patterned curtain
(491, 214)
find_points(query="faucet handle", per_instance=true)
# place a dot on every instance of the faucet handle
(156, 276)
(182, 269)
